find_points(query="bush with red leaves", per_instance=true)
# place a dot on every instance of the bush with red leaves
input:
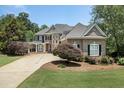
(67, 51)
(17, 48)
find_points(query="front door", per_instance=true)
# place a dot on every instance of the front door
(40, 48)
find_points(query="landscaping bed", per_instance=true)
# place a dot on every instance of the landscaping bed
(77, 66)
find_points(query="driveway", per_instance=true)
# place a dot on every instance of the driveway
(11, 75)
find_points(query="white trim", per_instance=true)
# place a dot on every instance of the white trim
(86, 37)
(94, 44)
(97, 28)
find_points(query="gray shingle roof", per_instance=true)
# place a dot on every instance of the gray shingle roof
(77, 31)
(59, 28)
(42, 31)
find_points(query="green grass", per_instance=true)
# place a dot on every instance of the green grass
(58, 79)
(4, 59)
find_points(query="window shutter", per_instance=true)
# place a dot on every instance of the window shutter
(38, 37)
(88, 49)
(100, 50)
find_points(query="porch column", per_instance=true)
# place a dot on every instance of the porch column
(36, 48)
(28, 50)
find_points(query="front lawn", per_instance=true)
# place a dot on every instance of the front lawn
(4, 59)
(58, 79)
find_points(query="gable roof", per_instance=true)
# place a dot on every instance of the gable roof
(90, 27)
(77, 31)
(80, 31)
(42, 31)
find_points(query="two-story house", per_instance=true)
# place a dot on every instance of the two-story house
(90, 39)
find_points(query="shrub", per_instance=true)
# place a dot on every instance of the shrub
(120, 61)
(61, 66)
(55, 52)
(90, 60)
(116, 54)
(111, 60)
(17, 48)
(67, 51)
(86, 59)
(106, 60)
(81, 59)
(99, 60)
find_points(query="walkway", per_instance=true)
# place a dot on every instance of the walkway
(11, 75)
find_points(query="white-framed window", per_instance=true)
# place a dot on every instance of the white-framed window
(94, 49)
(76, 45)
(40, 47)
(40, 38)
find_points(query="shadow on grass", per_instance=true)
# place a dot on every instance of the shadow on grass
(66, 63)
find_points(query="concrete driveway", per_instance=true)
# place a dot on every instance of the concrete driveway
(11, 75)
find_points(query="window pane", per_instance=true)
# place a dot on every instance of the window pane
(94, 49)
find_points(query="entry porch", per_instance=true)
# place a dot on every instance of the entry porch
(39, 47)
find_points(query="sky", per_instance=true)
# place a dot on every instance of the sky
(52, 14)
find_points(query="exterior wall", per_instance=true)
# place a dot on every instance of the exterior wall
(102, 42)
(77, 41)
(48, 38)
(85, 42)
(55, 40)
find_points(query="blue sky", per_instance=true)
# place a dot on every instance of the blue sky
(49, 15)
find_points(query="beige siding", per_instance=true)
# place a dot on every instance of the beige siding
(78, 41)
(55, 40)
(97, 41)
(85, 42)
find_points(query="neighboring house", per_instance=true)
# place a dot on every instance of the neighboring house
(90, 39)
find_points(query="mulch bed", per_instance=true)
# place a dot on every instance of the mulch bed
(78, 66)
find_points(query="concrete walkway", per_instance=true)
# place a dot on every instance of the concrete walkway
(11, 75)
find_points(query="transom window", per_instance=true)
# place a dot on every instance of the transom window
(94, 49)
